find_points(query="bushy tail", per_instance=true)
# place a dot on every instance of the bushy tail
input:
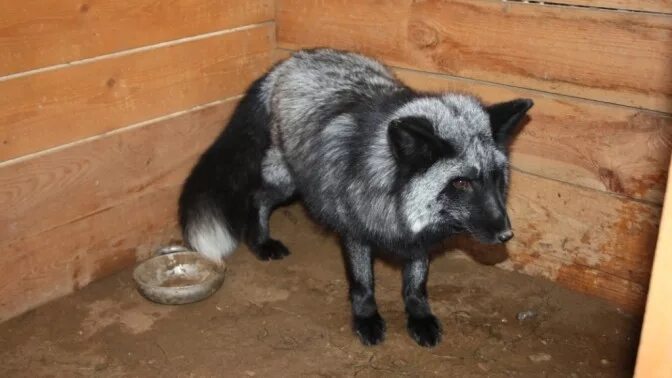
(216, 199)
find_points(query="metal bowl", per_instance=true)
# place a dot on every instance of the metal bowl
(178, 277)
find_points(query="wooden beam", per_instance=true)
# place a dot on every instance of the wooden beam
(655, 346)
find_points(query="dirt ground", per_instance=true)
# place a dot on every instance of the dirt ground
(290, 318)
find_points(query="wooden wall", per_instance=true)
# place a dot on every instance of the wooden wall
(590, 168)
(104, 105)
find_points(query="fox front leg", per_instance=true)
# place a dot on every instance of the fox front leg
(422, 325)
(367, 322)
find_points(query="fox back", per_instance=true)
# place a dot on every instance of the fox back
(373, 158)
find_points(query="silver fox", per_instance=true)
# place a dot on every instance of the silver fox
(388, 168)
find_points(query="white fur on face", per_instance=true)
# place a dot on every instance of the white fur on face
(421, 206)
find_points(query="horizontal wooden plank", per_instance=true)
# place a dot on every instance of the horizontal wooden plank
(62, 260)
(658, 6)
(606, 147)
(40, 33)
(56, 107)
(568, 50)
(592, 242)
(80, 213)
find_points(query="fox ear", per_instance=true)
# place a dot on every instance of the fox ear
(505, 116)
(413, 142)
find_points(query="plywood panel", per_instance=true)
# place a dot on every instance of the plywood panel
(39, 33)
(610, 148)
(655, 347)
(56, 107)
(617, 57)
(76, 214)
(589, 241)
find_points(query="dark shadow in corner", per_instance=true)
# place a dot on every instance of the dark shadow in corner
(485, 254)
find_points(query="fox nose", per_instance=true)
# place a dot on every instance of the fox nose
(505, 236)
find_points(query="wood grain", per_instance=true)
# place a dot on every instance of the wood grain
(589, 241)
(40, 33)
(655, 346)
(658, 6)
(56, 107)
(93, 176)
(567, 50)
(610, 148)
(52, 265)
(80, 213)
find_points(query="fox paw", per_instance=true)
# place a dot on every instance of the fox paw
(271, 250)
(426, 331)
(371, 330)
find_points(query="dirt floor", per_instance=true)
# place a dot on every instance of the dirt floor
(291, 318)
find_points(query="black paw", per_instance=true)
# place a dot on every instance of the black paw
(426, 331)
(371, 330)
(271, 250)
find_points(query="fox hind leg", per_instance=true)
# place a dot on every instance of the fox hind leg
(277, 188)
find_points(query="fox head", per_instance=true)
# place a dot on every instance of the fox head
(451, 152)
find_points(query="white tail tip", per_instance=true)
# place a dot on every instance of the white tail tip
(210, 237)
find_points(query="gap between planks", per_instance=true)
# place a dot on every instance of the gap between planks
(135, 50)
(119, 130)
(587, 7)
(616, 195)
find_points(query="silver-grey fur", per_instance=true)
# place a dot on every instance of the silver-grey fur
(387, 167)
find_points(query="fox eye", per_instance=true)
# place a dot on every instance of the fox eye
(461, 183)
